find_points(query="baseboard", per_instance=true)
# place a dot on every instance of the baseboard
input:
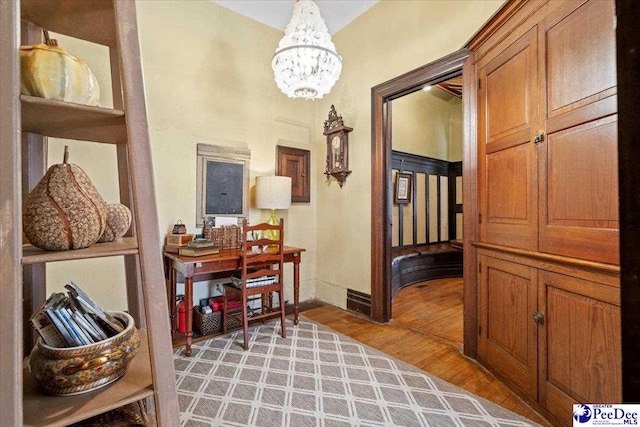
(359, 301)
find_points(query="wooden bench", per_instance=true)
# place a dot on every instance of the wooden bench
(424, 262)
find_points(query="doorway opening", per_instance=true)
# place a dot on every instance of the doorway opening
(388, 217)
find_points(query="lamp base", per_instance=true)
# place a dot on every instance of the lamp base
(273, 220)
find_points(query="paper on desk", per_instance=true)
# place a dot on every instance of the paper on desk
(226, 221)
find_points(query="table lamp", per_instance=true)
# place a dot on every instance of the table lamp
(273, 192)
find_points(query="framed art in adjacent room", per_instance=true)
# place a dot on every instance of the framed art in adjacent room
(403, 188)
(295, 163)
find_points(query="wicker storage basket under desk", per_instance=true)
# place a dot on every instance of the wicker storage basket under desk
(211, 323)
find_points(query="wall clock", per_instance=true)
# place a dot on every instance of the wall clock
(337, 147)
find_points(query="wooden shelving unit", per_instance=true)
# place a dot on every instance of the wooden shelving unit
(25, 124)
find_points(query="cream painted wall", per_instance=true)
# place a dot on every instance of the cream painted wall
(208, 79)
(428, 124)
(390, 39)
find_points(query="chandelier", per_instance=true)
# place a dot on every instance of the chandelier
(306, 64)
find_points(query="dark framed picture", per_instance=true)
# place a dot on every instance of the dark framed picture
(403, 188)
(222, 182)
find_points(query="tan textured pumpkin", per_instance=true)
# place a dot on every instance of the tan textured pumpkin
(53, 73)
(118, 222)
(64, 210)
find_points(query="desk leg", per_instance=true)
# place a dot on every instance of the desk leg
(173, 278)
(296, 289)
(188, 296)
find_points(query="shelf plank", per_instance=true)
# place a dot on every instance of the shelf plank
(53, 411)
(64, 17)
(72, 121)
(123, 246)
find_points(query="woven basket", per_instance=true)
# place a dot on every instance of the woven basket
(131, 415)
(211, 323)
(226, 237)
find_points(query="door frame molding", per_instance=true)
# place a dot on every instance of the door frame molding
(628, 152)
(434, 72)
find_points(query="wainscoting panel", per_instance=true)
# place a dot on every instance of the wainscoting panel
(434, 213)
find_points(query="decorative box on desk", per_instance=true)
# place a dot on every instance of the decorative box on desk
(225, 237)
(211, 323)
(179, 239)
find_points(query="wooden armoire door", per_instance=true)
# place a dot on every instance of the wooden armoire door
(580, 349)
(507, 338)
(578, 166)
(508, 106)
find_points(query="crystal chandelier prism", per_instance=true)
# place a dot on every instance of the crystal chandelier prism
(306, 64)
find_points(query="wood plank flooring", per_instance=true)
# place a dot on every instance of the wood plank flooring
(433, 307)
(426, 332)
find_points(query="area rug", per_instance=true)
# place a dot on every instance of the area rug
(317, 377)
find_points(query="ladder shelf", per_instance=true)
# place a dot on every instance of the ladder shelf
(25, 124)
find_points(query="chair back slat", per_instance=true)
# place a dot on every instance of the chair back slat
(259, 243)
(261, 258)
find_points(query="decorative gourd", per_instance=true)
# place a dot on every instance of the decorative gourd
(118, 222)
(48, 71)
(64, 210)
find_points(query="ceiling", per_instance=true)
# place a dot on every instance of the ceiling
(452, 86)
(277, 13)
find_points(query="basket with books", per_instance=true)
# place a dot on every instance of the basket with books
(81, 347)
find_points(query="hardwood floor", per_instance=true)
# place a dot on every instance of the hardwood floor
(434, 308)
(426, 332)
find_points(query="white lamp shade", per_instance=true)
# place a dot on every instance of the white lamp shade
(273, 192)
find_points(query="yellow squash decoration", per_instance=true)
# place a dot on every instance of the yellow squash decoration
(51, 72)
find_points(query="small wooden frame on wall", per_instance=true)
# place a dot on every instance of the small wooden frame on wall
(402, 194)
(295, 163)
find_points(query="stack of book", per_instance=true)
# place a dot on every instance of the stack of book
(252, 283)
(73, 320)
(199, 247)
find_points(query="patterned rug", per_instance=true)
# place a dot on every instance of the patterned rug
(317, 377)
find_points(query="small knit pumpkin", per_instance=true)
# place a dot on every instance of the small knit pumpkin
(118, 222)
(64, 210)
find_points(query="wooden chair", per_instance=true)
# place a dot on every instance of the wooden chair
(261, 275)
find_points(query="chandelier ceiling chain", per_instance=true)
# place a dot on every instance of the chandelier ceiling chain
(306, 64)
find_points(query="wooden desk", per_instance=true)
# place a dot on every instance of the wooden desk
(205, 268)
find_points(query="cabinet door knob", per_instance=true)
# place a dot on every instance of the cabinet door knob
(538, 138)
(538, 318)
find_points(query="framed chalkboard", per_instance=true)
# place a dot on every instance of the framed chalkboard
(222, 181)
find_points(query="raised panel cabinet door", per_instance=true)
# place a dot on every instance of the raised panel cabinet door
(507, 339)
(578, 164)
(580, 345)
(577, 55)
(507, 123)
